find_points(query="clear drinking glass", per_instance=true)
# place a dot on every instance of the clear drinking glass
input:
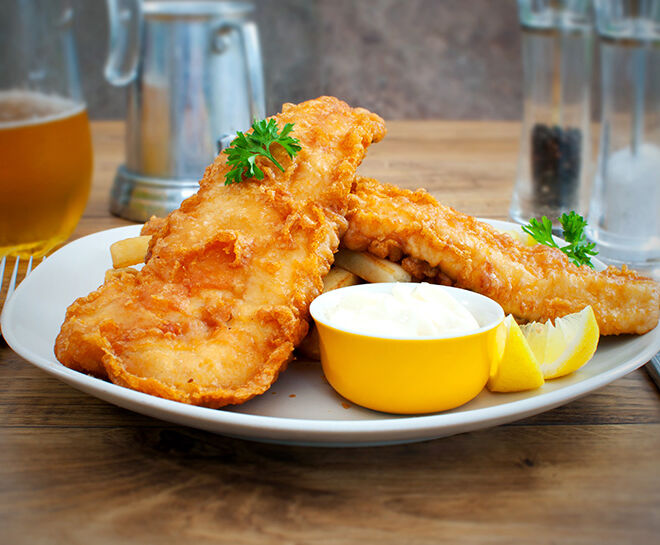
(624, 217)
(45, 144)
(553, 164)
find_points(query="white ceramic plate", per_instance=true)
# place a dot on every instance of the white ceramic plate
(300, 408)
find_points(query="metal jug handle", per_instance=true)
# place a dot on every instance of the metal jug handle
(247, 30)
(125, 22)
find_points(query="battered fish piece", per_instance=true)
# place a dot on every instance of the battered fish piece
(438, 244)
(223, 298)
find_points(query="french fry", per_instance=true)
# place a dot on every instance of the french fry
(339, 278)
(129, 251)
(371, 268)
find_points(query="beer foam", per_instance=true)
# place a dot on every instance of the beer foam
(19, 107)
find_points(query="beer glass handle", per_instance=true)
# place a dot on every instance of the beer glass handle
(125, 22)
(247, 30)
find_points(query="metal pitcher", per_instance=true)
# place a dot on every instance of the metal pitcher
(194, 76)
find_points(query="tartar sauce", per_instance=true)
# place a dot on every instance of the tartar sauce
(409, 310)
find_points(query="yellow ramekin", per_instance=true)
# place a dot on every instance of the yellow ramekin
(409, 375)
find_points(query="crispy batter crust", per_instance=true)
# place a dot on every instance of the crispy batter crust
(436, 243)
(223, 298)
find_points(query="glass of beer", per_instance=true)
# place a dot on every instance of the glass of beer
(45, 142)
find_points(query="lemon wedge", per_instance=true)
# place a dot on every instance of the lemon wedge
(565, 346)
(517, 369)
(525, 238)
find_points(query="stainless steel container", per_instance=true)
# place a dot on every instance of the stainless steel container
(194, 76)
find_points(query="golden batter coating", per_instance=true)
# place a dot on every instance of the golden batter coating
(534, 283)
(223, 298)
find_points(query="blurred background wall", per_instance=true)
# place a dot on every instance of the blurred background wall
(449, 59)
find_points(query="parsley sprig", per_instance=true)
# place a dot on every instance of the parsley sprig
(246, 147)
(579, 250)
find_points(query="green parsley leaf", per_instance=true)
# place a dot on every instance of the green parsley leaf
(578, 249)
(541, 231)
(246, 147)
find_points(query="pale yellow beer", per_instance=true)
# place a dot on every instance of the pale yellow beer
(45, 170)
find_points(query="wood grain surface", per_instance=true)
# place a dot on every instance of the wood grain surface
(76, 470)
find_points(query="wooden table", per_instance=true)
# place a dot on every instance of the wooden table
(77, 470)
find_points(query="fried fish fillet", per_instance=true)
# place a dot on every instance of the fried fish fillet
(438, 244)
(214, 314)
